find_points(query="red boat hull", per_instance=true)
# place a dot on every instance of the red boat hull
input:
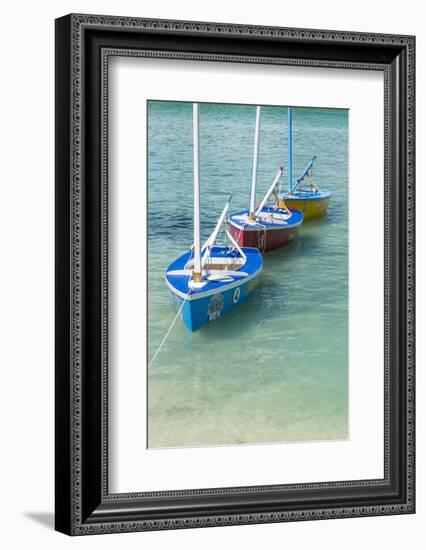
(264, 239)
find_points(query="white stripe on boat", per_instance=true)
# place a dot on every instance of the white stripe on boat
(198, 295)
(259, 227)
(219, 272)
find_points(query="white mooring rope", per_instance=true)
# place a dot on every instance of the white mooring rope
(168, 332)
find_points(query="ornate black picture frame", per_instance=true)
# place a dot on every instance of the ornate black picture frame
(83, 45)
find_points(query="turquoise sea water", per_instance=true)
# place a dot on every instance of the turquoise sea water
(276, 368)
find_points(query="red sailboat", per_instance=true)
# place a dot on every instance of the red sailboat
(267, 226)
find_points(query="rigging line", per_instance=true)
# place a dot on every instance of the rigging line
(168, 332)
(259, 228)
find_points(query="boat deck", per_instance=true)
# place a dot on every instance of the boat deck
(271, 218)
(178, 275)
(308, 195)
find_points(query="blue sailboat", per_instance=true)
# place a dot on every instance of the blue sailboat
(210, 280)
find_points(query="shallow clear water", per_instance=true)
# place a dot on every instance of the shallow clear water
(276, 368)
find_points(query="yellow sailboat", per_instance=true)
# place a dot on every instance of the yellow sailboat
(304, 195)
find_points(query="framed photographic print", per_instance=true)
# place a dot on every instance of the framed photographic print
(234, 274)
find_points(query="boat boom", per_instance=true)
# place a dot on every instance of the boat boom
(237, 246)
(211, 240)
(305, 172)
(270, 190)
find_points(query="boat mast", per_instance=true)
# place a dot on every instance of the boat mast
(255, 157)
(196, 274)
(290, 150)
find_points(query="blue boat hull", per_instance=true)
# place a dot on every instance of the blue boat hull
(214, 297)
(197, 313)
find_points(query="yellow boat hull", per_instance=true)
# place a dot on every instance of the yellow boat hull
(310, 208)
